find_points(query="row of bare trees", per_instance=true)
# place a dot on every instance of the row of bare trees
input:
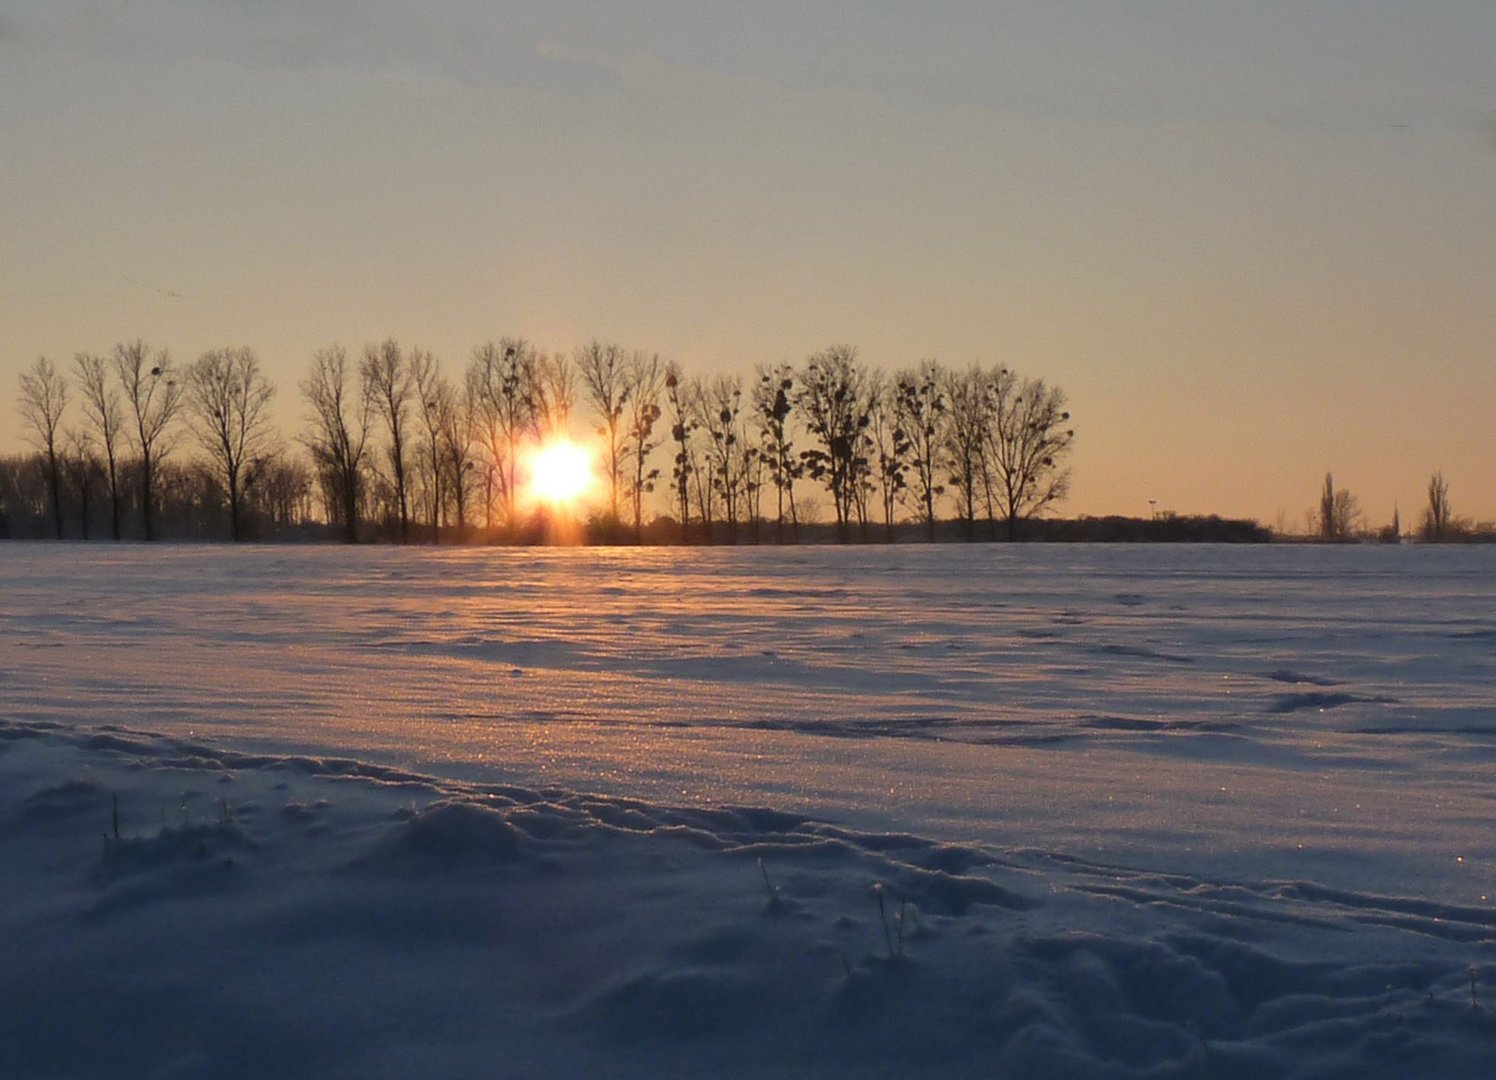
(884, 448)
(399, 447)
(395, 440)
(133, 401)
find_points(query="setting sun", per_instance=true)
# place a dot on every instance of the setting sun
(560, 473)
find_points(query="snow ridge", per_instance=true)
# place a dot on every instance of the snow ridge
(185, 909)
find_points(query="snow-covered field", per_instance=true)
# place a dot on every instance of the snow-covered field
(988, 811)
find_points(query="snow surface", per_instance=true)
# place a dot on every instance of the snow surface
(986, 811)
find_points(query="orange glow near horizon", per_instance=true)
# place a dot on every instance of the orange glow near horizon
(560, 475)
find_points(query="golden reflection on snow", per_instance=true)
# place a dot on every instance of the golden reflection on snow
(1169, 692)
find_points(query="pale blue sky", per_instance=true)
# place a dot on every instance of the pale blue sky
(1253, 241)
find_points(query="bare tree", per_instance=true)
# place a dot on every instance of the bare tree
(773, 393)
(81, 464)
(281, 493)
(378, 499)
(1338, 511)
(23, 490)
(919, 396)
(891, 450)
(703, 476)
(556, 395)
(1392, 532)
(458, 424)
(833, 396)
(387, 382)
(506, 385)
(754, 469)
(1030, 441)
(1327, 508)
(101, 407)
(646, 380)
(484, 418)
(434, 398)
(188, 497)
(228, 397)
(1438, 516)
(997, 389)
(44, 396)
(967, 430)
(605, 378)
(718, 410)
(340, 432)
(1347, 514)
(682, 424)
(154, 396)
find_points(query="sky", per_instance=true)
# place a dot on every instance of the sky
(1253, 242)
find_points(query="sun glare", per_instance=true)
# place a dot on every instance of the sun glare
(560, 474)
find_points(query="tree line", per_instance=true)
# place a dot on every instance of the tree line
(1339, 519)
(394, 448)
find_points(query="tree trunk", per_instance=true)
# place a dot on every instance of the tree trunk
(147, 497)
(350, 510)
(234, 508)
(56, 483)
(113, 498)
